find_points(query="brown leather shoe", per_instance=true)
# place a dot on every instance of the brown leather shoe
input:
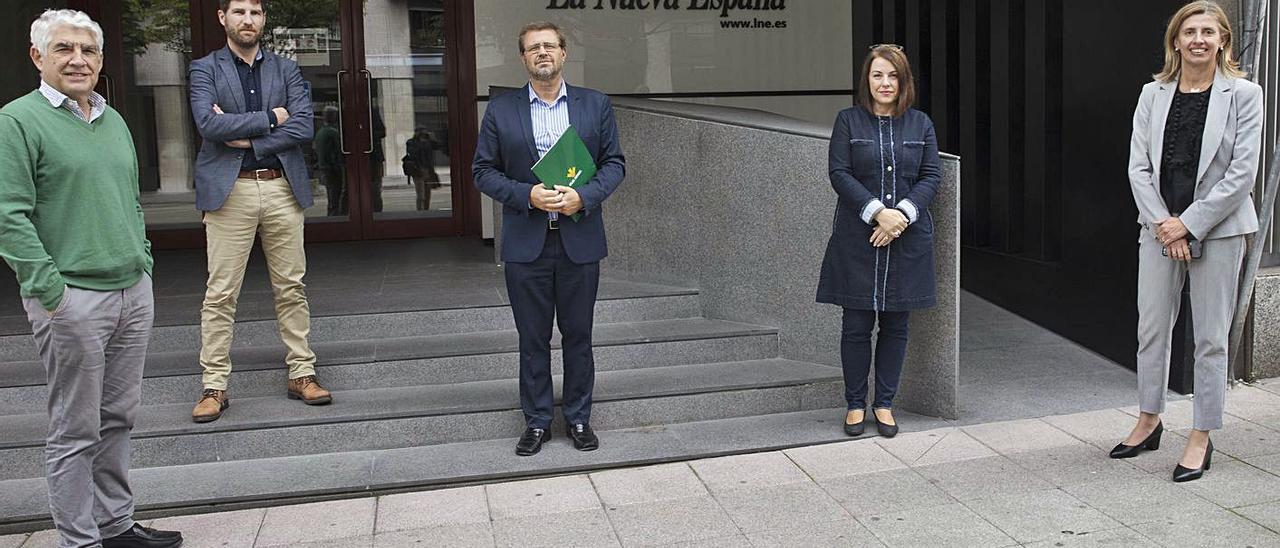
(308, 390)
(211, 405)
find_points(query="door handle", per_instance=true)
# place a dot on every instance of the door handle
(342, 143)
(104, 76)
(368, 89)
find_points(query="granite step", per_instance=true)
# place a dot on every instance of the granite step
(428, 415)
(172, 377)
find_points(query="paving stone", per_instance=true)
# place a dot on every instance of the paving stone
(12, 541)
(541, 496)
(1019, 436)
(935, 447)
(1103, 428)
(980, 478)
(951, 525)
(1266, 515)
(47, 538)
(845, 532)
(647, 484)
(216, 530)
(735, 541)
(468, 535)
(1270, 463)
(849, 458)
(590, 528)
(320, 521)
(780, 506)
(430, 509)
(1210, 529)
(1079, 463)
(752, 470)
(1120, 500)
(1093, 539)
(349, 542)
(670, 521)
(1244, 439)
(1040, 515)
(885, 492)
(1235, 484)
(1252, 403)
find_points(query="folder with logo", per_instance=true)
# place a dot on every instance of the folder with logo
(567, 163)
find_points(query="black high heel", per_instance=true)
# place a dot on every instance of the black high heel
(885, 430)
(1181, 473)
(855, 430)
(1122, 451)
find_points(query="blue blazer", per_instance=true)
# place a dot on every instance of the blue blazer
(502, 169)
(213, 79)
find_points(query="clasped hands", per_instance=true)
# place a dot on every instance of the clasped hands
(281, 113)
(1173, 236)
(889, 226)
(562, 199)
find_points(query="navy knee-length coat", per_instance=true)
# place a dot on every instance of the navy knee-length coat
(875, 162)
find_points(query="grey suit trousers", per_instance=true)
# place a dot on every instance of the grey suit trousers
(1214, 280)
(93, 348)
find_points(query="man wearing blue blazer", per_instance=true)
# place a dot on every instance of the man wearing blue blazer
(552, 261)
(253, 110)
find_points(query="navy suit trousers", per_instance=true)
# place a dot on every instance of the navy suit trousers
(552, 287)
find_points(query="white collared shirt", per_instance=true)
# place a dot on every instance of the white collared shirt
(97, 104)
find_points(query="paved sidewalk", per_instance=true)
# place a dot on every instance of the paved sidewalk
(1037, 482)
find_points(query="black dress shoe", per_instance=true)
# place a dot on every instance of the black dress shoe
(1181, 474)
(885, 430)
(531, 441)
(1122, 451)
(855, 430)
(583, 438)
(144, 537)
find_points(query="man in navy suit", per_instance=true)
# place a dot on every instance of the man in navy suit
(552, 261)
(253, 110)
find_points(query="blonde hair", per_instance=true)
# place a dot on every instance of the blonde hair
(906, 84)
(1225, 57)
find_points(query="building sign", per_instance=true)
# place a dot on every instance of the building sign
(724, 8)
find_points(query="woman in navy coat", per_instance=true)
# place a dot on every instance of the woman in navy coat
(878, 266)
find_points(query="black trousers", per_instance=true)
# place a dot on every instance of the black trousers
(552, 287)
(855, 355)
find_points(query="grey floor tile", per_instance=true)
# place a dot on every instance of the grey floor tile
(952, 525)
(430, 509)
(1210, 529)
(670, 521)
(12, 541)
(735, 541)
(1245, 439)
(779, 506)
(845, 532)
(590, 528)
(1103, 428)
(469, 535)
(42, 539)
(885, 492)
(751, 470)
(1141, 500)
(541, 496)
(1266, 515)
(1040, 515)
(1019, 436)
(1270, 463)
(936, 446)
(349, 542)
(315, 522)
(1073, 464)
(850, 458)
(1253, 403)
(1235, 484)
(217, 530)
(980, 478)
(647, 484)
(1095, 539)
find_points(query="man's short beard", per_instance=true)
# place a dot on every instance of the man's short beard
(234, 35)
(544, 74)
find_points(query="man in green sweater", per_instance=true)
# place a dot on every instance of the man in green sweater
(73, 233)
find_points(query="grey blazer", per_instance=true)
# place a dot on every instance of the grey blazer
(213, 79)
(1229, 151)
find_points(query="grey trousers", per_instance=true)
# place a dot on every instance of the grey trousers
(1214, 280)
(93, 348)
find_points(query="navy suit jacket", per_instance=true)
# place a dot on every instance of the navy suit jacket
(505, 154)
(214, 80)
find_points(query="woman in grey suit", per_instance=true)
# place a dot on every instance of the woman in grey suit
(1197, 132)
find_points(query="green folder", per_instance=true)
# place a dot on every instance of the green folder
(567, 163)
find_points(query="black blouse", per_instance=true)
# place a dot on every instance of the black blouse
(1183, 130)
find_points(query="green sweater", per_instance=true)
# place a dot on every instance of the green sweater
(69, 210)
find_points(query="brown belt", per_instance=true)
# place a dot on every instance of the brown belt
(262, 174)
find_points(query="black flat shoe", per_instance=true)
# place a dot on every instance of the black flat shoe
(144, 537)
(855, 430)
(1181, 473)
(1122, 451)
(531, 441)
(583, 438)
(885, 430)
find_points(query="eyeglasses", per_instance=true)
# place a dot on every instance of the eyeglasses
(549, 47)
(890, 46)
